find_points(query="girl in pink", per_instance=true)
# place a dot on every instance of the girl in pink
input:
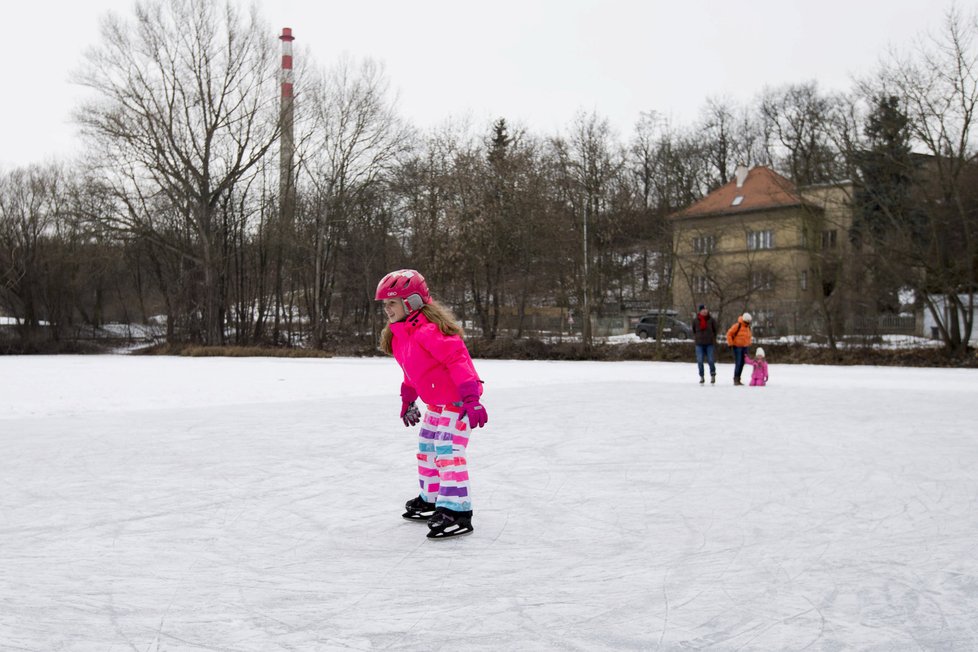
(759, 376)
(425, 339)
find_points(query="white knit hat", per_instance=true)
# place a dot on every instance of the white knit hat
(746, 316)
(759, 352)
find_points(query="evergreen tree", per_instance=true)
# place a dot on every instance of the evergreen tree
(887, 171)
(884, 220)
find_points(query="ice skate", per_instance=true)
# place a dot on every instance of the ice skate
(446, 523)
(418, 509)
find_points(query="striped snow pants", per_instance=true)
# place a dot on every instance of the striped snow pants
(442, 470)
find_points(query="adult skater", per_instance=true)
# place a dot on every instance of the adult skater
(705, 337)
(426, 340)
(739, 337)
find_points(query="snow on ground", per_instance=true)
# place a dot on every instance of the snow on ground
(885, 341)
(254, 504)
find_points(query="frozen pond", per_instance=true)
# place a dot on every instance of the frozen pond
(254, 504)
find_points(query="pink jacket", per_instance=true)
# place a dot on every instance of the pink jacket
(434, 364)
(759, 375)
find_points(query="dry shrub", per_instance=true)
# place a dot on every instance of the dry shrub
(197, 351)
(533, 349)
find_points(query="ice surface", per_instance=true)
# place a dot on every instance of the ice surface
(254, 504)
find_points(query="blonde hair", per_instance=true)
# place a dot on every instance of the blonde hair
(437, 314)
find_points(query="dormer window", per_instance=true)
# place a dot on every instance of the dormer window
(737, 200)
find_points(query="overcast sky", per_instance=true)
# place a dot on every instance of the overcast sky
(534, 62)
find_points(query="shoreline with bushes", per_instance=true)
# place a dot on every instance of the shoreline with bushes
(535, 349)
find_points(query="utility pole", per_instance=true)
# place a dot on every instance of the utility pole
(586, 322)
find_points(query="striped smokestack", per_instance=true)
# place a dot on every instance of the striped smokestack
(286, 155)
(286, 38)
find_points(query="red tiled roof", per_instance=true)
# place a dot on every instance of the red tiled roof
(763, 189)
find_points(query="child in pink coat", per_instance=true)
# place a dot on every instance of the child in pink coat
(426, 341)
(759, 376)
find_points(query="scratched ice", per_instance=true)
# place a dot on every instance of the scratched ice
(254, 504)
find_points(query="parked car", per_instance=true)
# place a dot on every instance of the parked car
(672, 327)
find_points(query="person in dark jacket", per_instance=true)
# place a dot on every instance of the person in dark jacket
(705, 336)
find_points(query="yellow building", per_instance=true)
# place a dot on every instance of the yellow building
(761, 245)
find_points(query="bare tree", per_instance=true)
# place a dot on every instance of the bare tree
(653, 230)
(184, 109)
(672, 170)
(591, 162)
(517, 193)
(355, 141)
(796, 121)
(426, 226)
(731, 135)
(710, 275)
(33, 207)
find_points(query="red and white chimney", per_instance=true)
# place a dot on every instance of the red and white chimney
(287, 139)
(287, 76)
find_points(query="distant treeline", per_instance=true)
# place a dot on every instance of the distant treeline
(179, 212)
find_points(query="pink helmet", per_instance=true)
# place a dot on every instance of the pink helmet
(406, 284)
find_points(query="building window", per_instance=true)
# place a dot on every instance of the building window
(804, 280)
(762, 281)
(704, 244)
(829, 239)
(701, 284)
(763, 322)
(760, 240)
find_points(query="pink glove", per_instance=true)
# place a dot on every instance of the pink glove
(471, 406)
(410, 414)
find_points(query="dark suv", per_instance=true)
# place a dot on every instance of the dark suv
(672, 327)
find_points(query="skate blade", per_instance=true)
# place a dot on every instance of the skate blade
(448, 534)
(418, 518)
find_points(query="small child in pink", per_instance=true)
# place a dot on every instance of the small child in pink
(759, 375)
